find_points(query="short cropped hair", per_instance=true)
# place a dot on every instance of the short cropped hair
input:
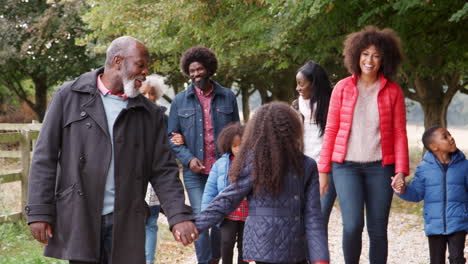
(202, 55)
(427, 137)
(227, 135)
(118, 47)
(155, 82)
(386, 42)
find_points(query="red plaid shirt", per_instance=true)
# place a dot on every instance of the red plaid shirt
(209, 146)
(241, 212)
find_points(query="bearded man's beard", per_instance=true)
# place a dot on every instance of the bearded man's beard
(201, 84)
(129, 88)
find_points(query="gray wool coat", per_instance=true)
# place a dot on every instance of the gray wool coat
(69, 171)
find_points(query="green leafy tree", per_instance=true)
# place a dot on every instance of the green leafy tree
(38, 43)
(260, 44)
(434, 41)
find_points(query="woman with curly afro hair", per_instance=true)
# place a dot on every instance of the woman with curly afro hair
(285, 224)
(365, 143)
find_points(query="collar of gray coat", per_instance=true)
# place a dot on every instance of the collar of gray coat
(87, 83)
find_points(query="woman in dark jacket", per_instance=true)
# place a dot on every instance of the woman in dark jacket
(285, 224)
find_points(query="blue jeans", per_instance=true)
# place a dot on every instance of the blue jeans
(207, 246)
(360, 185)
(151, 233)
(327, 201)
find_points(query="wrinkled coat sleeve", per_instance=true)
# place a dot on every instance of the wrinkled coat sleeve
(165, 178)
(415, 191)
(317, 243)
(211, 186)
(226, 202)
(331, 129)
(399, 134)
(182, 152)
(43, 173)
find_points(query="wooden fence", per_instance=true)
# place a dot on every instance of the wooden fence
(25, 134)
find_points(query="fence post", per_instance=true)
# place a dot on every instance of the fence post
(25, 149)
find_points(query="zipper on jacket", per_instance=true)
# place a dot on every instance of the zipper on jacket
(444, 213)
(445, 201)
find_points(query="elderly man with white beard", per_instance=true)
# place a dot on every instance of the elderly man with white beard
(100, 144)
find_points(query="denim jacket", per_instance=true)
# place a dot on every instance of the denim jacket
(186, 117)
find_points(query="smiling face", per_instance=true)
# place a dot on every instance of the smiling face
(303, 85)
(370, 61)
(199, 75)
(442, 141)
(134, 69)
(149, 92)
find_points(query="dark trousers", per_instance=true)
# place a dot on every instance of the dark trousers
(107, 223)
(231, 232)
(300, 262)
(456, 245)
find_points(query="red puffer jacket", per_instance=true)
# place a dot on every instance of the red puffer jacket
(392, 112)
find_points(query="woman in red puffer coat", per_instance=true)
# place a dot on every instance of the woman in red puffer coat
(365, 142)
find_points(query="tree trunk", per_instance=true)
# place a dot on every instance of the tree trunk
(245, 102)
(40, 96)
(284, 85)
(435, 114)
(434, 99)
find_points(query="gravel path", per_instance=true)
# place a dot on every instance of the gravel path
(407, 242)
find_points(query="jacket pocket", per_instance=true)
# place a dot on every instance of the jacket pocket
(64, 193)
(224, 114)
(186, 117)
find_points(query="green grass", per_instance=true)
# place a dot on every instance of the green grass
(399, 205)
(18, 246)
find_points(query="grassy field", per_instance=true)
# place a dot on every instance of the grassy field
(17, 246)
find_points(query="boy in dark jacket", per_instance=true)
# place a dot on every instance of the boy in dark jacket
(441, 180)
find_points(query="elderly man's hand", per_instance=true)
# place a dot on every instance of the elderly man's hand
(185, 232)
(41, 231)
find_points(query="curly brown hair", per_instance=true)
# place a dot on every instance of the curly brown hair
(273, 143)
(200, 54)
(227, 135)
(386, 42)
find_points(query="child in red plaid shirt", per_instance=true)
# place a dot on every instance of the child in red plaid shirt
(232, 228)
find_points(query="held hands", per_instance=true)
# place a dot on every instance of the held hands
(196, 165)
(398, 183)
(185, 232)
(41, 231)
(177, 139)
(323, 180)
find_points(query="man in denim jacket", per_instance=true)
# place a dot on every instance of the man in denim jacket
(199, 114)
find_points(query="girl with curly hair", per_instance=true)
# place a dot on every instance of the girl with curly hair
(232, 227)
(365, 141)
(285, 224)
